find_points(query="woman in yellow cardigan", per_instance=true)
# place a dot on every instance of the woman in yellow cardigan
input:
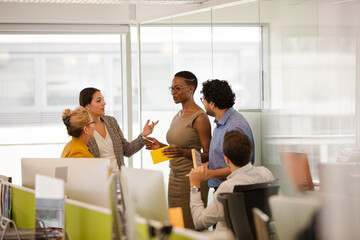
(80, 126)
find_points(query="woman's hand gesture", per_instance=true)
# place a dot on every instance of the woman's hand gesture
(148, 128)
(153, 143)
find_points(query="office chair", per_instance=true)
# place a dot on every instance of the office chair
(239, 204)
(235, 215)
(296, 167)
(261, 221)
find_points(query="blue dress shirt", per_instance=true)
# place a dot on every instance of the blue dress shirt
(231, 120)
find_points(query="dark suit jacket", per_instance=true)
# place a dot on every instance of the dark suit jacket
(121, 146)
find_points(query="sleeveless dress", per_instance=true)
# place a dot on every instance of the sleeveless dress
(183, 135)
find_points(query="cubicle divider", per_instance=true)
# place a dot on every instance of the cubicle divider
(86, 221)
(82, 220)
(23, 206)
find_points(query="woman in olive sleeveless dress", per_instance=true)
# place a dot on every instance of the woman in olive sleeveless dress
(189, 129)
(182, 135)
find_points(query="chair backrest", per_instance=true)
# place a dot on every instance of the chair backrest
(257, 195)
(235, 215)
(223, 199)
(261, 221)
(296, 167)
(238, 212)
(291, 214)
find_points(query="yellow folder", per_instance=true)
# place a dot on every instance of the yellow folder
(157, 156)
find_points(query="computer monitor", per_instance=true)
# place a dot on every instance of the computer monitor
(340, 198)
(117, 207)
(144, 195)
(86, 179)
(340, 178)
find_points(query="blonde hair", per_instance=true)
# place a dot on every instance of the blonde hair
(76, 120)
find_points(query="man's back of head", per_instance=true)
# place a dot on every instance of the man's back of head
(237, 148)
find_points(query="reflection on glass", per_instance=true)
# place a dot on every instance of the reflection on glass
(237, 60)
(117, 82)
(17, 88)
(312, 79)
(68, 72)
(199, 49)
(40, 76)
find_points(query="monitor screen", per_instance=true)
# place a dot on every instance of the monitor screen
(86, 179)
(340, 178)
(340, 200)
(144, 195)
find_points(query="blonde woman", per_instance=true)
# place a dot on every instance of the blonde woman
(80, 126)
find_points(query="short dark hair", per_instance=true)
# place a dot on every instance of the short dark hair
(219, 92)
(190, 78)
(237, 147)
(86, 95)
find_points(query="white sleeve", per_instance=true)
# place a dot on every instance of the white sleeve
(205, 217)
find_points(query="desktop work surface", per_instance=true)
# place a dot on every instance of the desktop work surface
(87, 221)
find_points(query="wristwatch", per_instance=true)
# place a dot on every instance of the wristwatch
(194, 189)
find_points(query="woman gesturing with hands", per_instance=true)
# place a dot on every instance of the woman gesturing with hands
(190, 128)
(108, 140)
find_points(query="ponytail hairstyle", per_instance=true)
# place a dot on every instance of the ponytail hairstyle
(76, 120)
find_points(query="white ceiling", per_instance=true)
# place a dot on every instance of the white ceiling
(159, 2)
(98, 11)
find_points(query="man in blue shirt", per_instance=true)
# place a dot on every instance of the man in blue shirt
(218, 100)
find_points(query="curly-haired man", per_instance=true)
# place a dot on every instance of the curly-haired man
(218, 99)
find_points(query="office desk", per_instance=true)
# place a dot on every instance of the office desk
(182, 233)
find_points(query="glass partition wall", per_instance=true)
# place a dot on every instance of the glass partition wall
(43, 74)
(292, 66)
(312, 85)
(211, 47)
